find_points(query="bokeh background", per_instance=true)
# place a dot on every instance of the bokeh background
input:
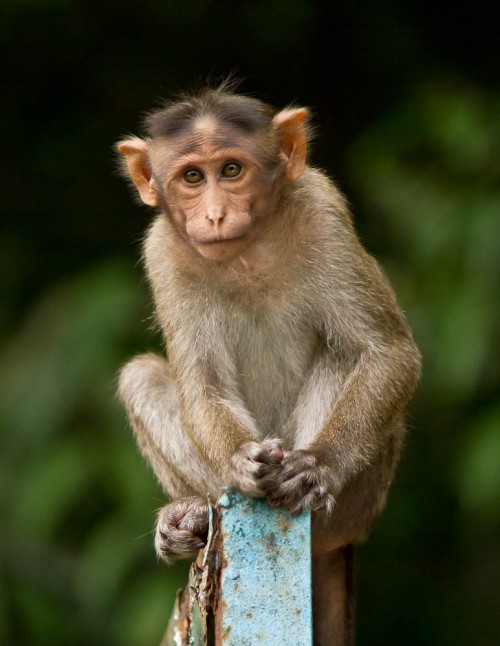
(406, 99)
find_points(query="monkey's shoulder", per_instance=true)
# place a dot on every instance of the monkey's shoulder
(321, 209)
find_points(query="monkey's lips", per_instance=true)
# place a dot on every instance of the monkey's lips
(222, 249)
(215, 241)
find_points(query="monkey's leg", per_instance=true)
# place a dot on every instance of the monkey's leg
(333, 597)
(148, 391)
(149, 394)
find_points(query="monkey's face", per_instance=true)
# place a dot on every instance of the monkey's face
(216, 182)
(216, 191)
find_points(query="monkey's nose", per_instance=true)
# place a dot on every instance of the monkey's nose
(216, 214)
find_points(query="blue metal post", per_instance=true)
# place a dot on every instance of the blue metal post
(265, 575)
(251, 586)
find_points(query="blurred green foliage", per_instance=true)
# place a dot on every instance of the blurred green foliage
(78, 547)
(427, 173)
(409, 119)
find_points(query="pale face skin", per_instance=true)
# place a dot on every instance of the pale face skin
(215, 192)
(213, 183)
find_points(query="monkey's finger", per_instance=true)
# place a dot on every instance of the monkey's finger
(182, 537)
(197, 526)
(195, 541)
(294, 477)
(264, 470)
(289, 491)
(296, 466)
(270, 482)
(265, 452)
(306, 502)
(269, 454)
(276, 453)
(298, 491)
(275, 502)
(176, 545)
(285, 496)
(176, 514)
(315, 500)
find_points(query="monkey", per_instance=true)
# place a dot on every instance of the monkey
(290, 364)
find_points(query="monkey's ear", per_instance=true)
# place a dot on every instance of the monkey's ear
(291, 130)
(139, 169)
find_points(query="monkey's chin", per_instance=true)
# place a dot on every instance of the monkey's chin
(223, 250)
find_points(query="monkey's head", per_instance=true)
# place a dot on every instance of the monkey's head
(213, 163)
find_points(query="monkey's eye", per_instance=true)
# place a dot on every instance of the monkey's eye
(193, 176)
(231, 169)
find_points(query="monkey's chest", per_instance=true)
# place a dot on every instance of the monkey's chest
(272, 355)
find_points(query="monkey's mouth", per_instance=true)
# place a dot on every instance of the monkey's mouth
(215, 241)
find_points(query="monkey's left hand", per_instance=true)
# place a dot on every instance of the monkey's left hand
(254, 467)
(302, 484)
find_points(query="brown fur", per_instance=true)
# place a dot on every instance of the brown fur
(281, 326)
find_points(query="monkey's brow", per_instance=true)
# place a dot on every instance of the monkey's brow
(188, 148)
(216, 142)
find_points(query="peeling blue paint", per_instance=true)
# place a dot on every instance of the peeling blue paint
(251, 586)
(265, 595)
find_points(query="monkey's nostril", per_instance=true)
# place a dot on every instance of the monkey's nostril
(215, 215)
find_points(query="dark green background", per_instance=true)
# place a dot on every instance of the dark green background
(407, 104)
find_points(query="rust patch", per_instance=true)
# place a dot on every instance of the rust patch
(284, 524)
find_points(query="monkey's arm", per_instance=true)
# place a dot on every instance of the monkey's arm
(219, 425)
(381, 368)
(355, 430)
(376, 391)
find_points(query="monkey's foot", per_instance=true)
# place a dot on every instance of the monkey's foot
(254, 467)
(303, 484)
(181, 529)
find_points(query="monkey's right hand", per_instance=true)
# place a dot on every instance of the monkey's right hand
(181, 529)
(255, 466)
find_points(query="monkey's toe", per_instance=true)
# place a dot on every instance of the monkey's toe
(181, 529)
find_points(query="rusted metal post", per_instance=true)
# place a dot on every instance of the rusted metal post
(252, 583)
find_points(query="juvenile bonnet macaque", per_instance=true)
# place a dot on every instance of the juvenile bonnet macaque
(289, 362)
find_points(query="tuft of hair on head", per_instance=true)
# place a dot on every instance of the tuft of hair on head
(222, 102)
(229, 84)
